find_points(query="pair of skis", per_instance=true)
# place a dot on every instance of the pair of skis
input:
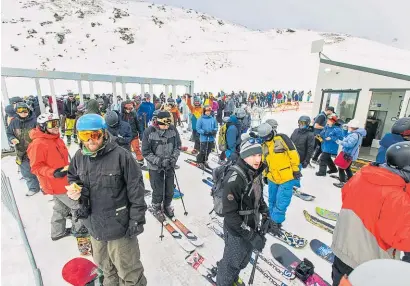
(196, 164)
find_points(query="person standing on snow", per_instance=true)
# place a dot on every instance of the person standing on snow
(18, 135)
(49, 162)
(233, 134)
(196, 112)
(145, 111)
(282, 159)
(374, 222)
(129, 115)
(318, 125)
(400, 132)
(207, 128)
(351, 146)
(229, 106)
(111, 199)
(221, 107)
(92, 107)
(120, 129)
(70, 110)
(173, 109)
(160, 147)
(330, 134)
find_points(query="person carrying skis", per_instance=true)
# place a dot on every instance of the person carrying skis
(243, 208)
(233, 134)
(70, 110)
(304, 141)
(330, 134)
(351, 146)
(108, 184)
(120, 129)
(318, 125)
(49, 162)
(400, 132)
(374, 222)
(129, 115)
(207, 127)
(282, 159)
(160, 147)
(145, 111)
(196, 112)
(18, 135)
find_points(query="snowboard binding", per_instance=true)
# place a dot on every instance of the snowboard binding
(304, 270)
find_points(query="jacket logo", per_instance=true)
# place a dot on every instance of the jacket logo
(230, 197)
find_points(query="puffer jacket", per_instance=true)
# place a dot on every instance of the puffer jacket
(93, 107)
(351, 143)
(122, 133)
(335, 133)
(115, 189)
(206, 124)
(19, 128)
(145, 111)
(230, 105)
(374, 222)
(196, 112)
(304, 140)
(387, 140)
(282, 159)
(47, 153)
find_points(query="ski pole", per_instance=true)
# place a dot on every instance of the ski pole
(250, 282)
(162, 210)
(179, 190)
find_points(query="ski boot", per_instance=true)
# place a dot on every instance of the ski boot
(332, 171)
(67, 232)
(157, 211)
(207, 165)
(68, 140)
(75, 139)
(169, 211)
(141, 162)
(31, 193)
(238, 282)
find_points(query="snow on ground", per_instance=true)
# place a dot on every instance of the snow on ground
(163, 260)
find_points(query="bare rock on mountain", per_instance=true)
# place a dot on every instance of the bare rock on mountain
(14, 48)
(46, 23)
(80, 14)
(157, 21)
(118, 13)
(126, 34)
(58, 17)
(60, 38)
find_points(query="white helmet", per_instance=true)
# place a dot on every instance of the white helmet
(354, 123)
(44, 118)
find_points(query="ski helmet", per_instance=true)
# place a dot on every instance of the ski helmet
(398, 155)
(266, 132)
(91, 122)
(240, 113)
(401, 126)
(272, 122)
(155, 114)
(197, 101)
(303, 118)
(111, 118)
(170, 101)
(100, 100)
(46, 117)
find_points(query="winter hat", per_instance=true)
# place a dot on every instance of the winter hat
(354, 123)
(332, 117)
(248, 149)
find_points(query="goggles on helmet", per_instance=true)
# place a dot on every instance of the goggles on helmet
(90, 134)
(164, 121)
(254, 140)
(22, 110)
(53, 123)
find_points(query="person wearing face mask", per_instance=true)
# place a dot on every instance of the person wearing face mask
(18, 135)
(129, 115)
(49, 162)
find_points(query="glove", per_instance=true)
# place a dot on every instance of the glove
(60, 172)
(258, 241)
(85, 208)
(305, 164)
(134, 229)
(338, 141)
(265, 180)
(328, 138)
(297, 175)
(166, 163)
(15, 141)
(173, 162)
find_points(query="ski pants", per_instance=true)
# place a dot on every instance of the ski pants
(31, 179)
(280, 196)
(63, 206)
(135, 145)
(339, 269)
(326, 161)
(297, 181)
(195, 135)
(156, 179)
(345, 172)
(120, 262)
(69, 126)
(318, 149)
(205, 150)
(237, 254)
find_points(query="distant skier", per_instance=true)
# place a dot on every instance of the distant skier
(129, 115)
(145, 111)
(196, 112)
(70, 109)
(207, 128)
(233, 134)
(120, 129)
(318, 124)
(374, 222)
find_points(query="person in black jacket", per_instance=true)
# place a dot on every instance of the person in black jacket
(243, 205)
(129, 115)
(160, 147)
(111, 197)
(120, 129)
(70, 110)
(18, 135)
(221, 107)
(304, 140)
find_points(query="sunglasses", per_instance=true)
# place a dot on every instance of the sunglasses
(53, 124)
(22, 110)
(164, 121)
(90, 134)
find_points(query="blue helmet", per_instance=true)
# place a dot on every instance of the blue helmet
(91, 122)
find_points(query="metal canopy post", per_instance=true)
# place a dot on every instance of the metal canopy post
(4, 90)
(174, 91)
(80, 91)
(166, 91)
(53, 95)
(91, 85)
(114, 92)
(151, 89)
(39, 96)
(123, 90)
(142, 89)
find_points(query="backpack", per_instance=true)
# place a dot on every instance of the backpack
(218, 176)
(222, 138)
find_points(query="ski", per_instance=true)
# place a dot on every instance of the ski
(188, 233)
(197, 262)
(193, 163)
(318, 222)
(208, 182)
(272, 279)
(301, 195)
(188, 247)
(327, 214)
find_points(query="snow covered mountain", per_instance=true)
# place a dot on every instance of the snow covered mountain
(147, 40)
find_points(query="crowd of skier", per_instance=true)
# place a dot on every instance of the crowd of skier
(102, 185)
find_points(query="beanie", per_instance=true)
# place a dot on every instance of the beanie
(248, 149)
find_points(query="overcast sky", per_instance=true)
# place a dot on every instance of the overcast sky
(386, 21)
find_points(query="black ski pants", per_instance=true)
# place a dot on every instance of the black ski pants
(339, 269)
(205, 149)
(195, 136)
(156, 179)
(318, 149)
(326, 161)
(345, 172)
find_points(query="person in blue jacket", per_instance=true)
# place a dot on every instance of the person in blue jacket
(330, 134)
(233, 134)
(119, 128)
(145, 111)
(207, 128)
(351, 145)
(400, 131)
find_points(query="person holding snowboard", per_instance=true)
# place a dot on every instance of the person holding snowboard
(108, 184)
(374, 222)
(160, 147)
(207, 128)
(120, 129)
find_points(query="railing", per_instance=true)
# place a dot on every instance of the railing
(8, 200)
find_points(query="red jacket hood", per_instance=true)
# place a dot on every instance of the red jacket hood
(37, 133)
(382, 177)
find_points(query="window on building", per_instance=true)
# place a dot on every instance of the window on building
(344, 102)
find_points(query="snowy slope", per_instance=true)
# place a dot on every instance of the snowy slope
(143, 39)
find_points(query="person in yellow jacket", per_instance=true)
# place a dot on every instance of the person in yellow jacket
(282, 158)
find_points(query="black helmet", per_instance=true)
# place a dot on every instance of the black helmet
(111, 118)
(398, 155)
(401, 126)
(304, 118)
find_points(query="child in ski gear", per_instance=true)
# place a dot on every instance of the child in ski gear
(49, 162)
(129, 115)
(121, 130)
(400, 132)
(207, 128)
(318, 125)
(18, 135)
(351, 146)
(70, 110)
(160, 147)
(374, 222)
(330, 134)
(196, 112)
(111, 198)
(282, 159)
(243, 205)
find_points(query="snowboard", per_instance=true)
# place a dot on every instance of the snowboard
(81, 271)
(318, 222)
(301, 195)
(322, 250)
(84, 245)
(197, 261)
(327, 214)
(289, 260)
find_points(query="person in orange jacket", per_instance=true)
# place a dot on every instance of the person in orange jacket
(173, 108)
(374, 222)
(49, 162)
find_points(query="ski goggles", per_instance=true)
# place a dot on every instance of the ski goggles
(256, 140)
(164, 121)
(208, 109)
(22, 110)
(129, 108)
(53, 123)
(90, 134)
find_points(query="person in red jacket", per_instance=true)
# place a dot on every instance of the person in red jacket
(49, 162)
(374, 222)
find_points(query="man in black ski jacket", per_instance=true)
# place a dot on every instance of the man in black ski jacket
(160, 147)
(129, 115)
(70, 110)
(111, 198)
(304, 140)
